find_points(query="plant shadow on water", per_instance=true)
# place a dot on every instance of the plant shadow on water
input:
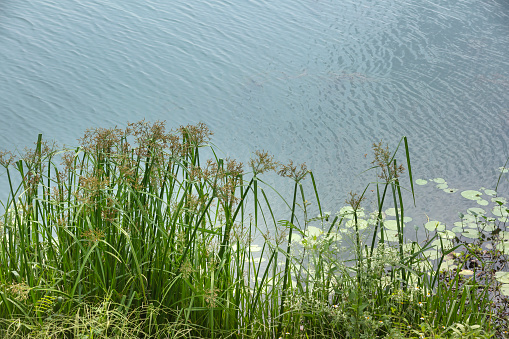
(132, 235)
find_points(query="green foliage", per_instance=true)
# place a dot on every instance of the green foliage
(130, 235)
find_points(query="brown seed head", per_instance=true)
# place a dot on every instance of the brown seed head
(291, 171)
(263, 162)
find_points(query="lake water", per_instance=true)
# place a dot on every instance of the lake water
(309, 80)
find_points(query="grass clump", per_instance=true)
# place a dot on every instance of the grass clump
(132, 235)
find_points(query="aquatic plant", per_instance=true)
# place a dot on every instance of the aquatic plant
(131, 235)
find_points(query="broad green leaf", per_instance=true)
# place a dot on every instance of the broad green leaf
(471, 195)
(434, 226)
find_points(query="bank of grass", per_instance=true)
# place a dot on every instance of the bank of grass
(132, 235)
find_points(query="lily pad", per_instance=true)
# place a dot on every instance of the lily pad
(503, 219)
(457, 229)
(392, 211)
(500, 211)
(446, 243)
(466, 272)
(476, 210)
(347, 212)
(503, 247)
(434, 226)
(391, 235)
(446, 234)
(458, 224)
(448, 265)
(490, 192)
(469, 218)
(407, 219)
(439, 180)
(334, 236)
(313, 231)
(504, 235)
(421, 182)
(502, 277)
(432, 254)
(255, 248)
(488, 227)
(471, 195)
(504, 289)
(502, 200)
(295, 238)
(471, 233)
(442, 186)
(361, 223)
(482, 202)
(391, 225)
(503, 169)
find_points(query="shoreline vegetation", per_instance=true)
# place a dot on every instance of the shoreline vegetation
(133, 235)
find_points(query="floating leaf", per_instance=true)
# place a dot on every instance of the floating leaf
(450, 190)
(490, 192)
(334, 236)
(390, 235)
(361, 223)
(500, 211)
(466, 272)
(392, 211)
(503, 169)
(482, 202)
(407, 219)
(502, 277)
(421, 182)
(448, 265)
(503, 247)
(504, 235)
(504, 289)
(490, 227)
(476, 210)
(469, 218)
(434, 225)
(442, 186)
(255, 248)
(432, 254)
(458, 224)
(439, 180)
(471, 233)
(501, 200)
(457, 229)
(446, 234)
(391, 225)
(471, 195)
(295, 238)
(347, 212)
(446, 243)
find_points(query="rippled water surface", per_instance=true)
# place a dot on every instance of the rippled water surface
(311, 80)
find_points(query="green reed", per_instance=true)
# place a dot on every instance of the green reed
(132, 235)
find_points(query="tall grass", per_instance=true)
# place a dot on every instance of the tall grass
(132, 235)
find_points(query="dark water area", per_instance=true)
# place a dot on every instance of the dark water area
(316, 81)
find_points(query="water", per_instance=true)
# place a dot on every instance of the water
(309, 80)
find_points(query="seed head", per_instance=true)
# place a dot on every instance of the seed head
(291, 171)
